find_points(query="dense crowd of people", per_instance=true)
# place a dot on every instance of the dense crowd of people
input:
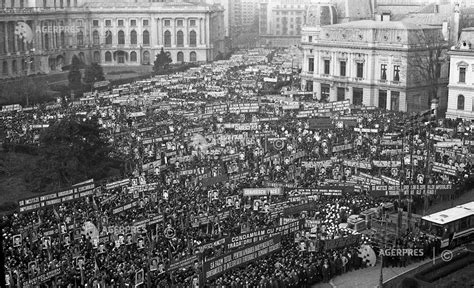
(194, 142)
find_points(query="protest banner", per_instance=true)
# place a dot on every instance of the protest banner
(341, 242)
(262, 191)
(394, 190)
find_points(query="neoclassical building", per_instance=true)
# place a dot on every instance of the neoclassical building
(461, 77)
(373, 63)
(43, 36)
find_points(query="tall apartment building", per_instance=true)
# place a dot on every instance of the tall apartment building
(43, 35)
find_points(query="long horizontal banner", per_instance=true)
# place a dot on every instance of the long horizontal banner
(262, 191)
(358, 164)
(387, 163)
(342, 148)
(229, 261)
(341, 242)
(316, 164)
(324, 190)
(71, 194)
(116, 184)
(310, 206)
(394, 190)
(444, 169)
(38, 280)
(200, 220)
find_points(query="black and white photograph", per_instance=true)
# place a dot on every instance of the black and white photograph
(237, 143)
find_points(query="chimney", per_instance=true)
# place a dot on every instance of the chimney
(386, 16)
(436, 8)
(378, 17)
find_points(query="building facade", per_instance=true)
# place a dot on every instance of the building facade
(45, 36)
(372, 63)
(461, 77)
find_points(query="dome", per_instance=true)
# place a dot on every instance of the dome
(321, 14)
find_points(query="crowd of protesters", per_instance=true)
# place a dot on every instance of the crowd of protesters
(193, 142)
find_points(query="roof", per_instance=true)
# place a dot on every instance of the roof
(143, 4)
(372, 24)
(451, 214)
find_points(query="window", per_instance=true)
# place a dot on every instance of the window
(108, 23)
(95, 23)
(133, 23)
(192, 38)
(360, 70)
(121, 57)
(311, 64)
(395, 101)
(95, 38)
(357, 96)
(383, 72)
(108, 37)
(179, 23)
(108, 56)
(167, 22)
(14, 67)
(120, 23)
(462, 75)
(146, 57)
(133, 56)
(79, 23)
(167, 39)
(342, 68)
(5, 68)
(68, 3)
(180, 57)
(438, 70)
(327, 64)
(192, 57)
(46, 42)
(62, 37)
(461, 102)
(383, 99)
(133, 37)
(325, 90)
(146, 22)
(192, 22)
(96, 56)
(146, 38)
(309, 86)
(180, 39)
(121, 37)
(396, 73)
(341, 93)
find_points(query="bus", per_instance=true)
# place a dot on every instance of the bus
(451, 226)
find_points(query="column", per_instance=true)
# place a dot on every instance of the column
(15, 43)
(159, 31)
(186, 32)
(200, 31)
(5, 24)
(389, 95)
(174, 32)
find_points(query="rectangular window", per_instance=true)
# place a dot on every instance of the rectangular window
(192, 22)
(327, 64)
(341, 93)
(311, 64)
(180, 22)
(133, 23)
(310, 38)
(357, 96)
(108, 23)
(395, 101)
(342, 68)
(309, 86)
(120, 23)
(462, 75)
(325, 92)
(360, 70)
(95, 23)
(383, 72)
(383, 99)
(145, 22)
(396, 73)
(79, 23)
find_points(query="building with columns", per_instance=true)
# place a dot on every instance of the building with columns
(461, 77)
(373, 63)
(44, 36)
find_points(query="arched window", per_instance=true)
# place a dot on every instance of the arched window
(133, 56)
(46, 41)
(167, 39)
(133, 37)
(121, 37)
(461, 102)
(146, 38)
(192, 57)
(82, 57)
(5, 68)
(108, 56)
(24, 66)
(192, 38)
(80, 38)
(108, 37)
(63, 39)
(14, 67)
(95, 38)
(180, 39)
(180, 57)
(146, 58)
(96, 56)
